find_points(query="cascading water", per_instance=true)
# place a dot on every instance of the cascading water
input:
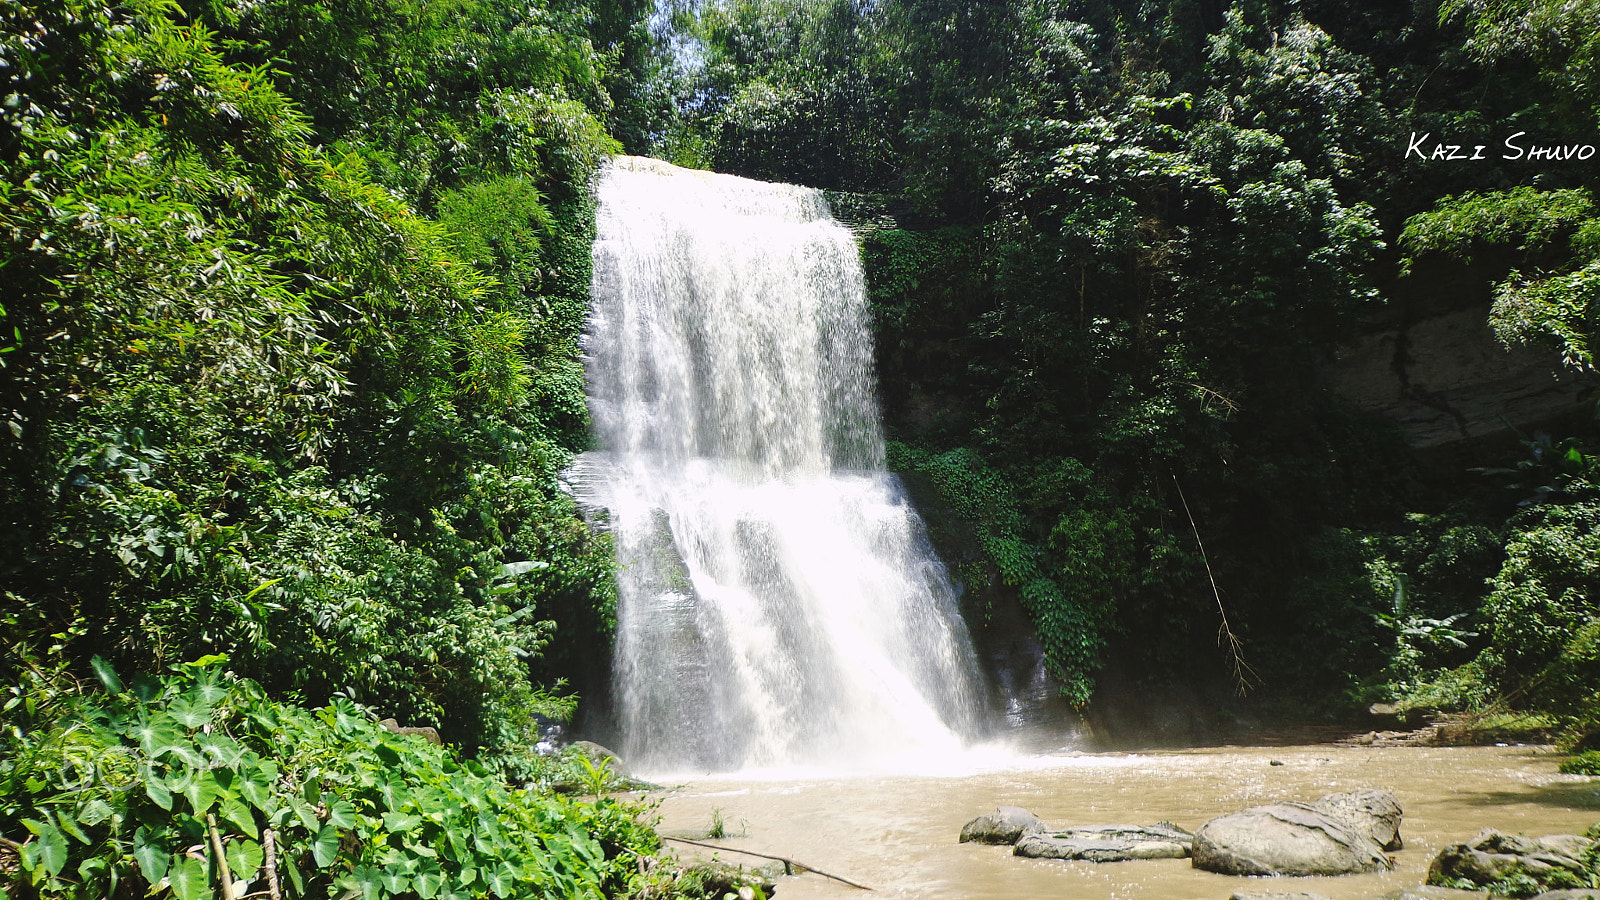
(779, 603)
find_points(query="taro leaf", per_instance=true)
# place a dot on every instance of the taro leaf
(325, 847)
(70, 827)
(346, 719)
(206, 690)
(503, 879)
(52, 844)
(94, 812)
(188, 879)
(155, 788)
(427, 883)
(341, 814)
(394, 879)
(90, 869)
(158, 737)
(256, 786)
(364, 878)
(190, 711)
(201, 792)
(397, 823)
(244, 858)
(305, 813)
(106, 674)
(223, 749)
(152, 857)
(241, 816)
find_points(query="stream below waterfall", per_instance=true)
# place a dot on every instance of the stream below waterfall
(897, 834)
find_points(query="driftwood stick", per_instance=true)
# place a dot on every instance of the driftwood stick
(270, 845)
(787, 863)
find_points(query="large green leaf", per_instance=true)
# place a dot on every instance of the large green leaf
(427, 883)
(341, 813)
(201, 790)
(51, 845)
(94, 812)
(244, 858)
(188, 879)
(106, 674)
(190, 711)
(155, 787)
(325, 847)
(240, 816)
(394, 879)
(151, 855)
(397, 823)
(158, 736)
(306, 813)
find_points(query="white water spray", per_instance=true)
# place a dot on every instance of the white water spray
(779, 604)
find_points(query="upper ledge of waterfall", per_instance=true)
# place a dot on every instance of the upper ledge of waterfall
(656, 166)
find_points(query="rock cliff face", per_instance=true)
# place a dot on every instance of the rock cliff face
(1445, 379)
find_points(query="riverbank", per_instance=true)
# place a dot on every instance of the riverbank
(898, 834)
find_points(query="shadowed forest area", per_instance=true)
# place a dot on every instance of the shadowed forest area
(292, 296)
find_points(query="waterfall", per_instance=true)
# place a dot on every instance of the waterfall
(778, 601)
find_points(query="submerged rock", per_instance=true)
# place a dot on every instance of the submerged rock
(1434, 892)
(1276, 895)
(1286, 839)
(1003, 826)
(1107, 843)
(1492, 856)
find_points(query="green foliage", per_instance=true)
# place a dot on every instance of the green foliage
(256, 403)
(1585, 763)
(1069, 609)
(1528, 217)
(1558, 297)
(141, 787)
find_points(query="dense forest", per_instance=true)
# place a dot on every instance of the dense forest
(291, 303)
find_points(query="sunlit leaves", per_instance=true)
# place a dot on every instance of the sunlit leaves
(352, 806)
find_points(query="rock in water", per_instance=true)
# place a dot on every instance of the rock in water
(1370, 811)
(1276, 895)
(1003, 826)
(1492, 856)
(1107, 843)
(1433, 892)
(1285, 839)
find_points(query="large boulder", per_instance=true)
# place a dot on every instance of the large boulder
(1003, 826)
(1285, 839)
(1370, 811)
(1492, 856)
(1107, 843)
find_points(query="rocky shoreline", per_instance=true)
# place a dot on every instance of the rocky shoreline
(1338, 834)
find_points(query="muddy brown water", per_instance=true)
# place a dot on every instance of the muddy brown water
(898, 834)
